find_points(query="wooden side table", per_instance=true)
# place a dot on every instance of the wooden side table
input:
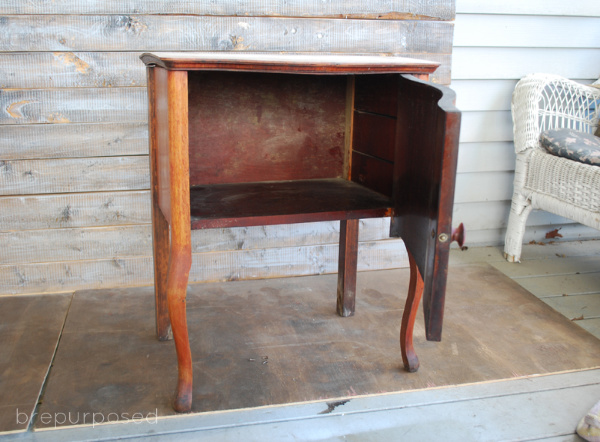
(241, 139)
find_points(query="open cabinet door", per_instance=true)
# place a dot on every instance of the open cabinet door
(426, 152)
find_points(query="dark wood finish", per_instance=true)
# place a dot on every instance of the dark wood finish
(458, 235)
(160, 226)
(378, 95)
(254, 147)
(413, 299)
(374, 132)
(374, 135)
(282, 202)
(314, 63)
(348, 133)
(424, 176)
(161, 134)
(373, 173)
(180, 259)
(347, 263)
(250, 126)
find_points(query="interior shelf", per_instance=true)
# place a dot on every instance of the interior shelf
(283, 202)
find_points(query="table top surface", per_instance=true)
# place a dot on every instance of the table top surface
(313, 63)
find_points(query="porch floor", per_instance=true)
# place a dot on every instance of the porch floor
(518, 361)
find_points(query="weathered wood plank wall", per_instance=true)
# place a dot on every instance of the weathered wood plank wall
(495, 44)
(74, 199)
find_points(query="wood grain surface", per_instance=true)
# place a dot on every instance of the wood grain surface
(278, 202)
(293, 347)
(249, 127)
(375, 9)
(30, 330)
(74, 112)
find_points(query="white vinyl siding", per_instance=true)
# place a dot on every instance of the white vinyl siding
(495, 44)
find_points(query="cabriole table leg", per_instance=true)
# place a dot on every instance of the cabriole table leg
(177, 280)
(415, 292)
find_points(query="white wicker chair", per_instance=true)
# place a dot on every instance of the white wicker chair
(544, 181)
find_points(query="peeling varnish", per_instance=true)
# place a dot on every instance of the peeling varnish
(69, 58)
(14, 110)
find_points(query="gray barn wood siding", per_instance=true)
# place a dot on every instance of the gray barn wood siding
(74, 200)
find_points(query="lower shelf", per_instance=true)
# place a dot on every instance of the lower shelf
(283, 202)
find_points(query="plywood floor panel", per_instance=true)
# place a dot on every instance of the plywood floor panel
(30, 327)
(267, 342)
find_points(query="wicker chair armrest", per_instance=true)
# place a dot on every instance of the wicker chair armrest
(546, 101)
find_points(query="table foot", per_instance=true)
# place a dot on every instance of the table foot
(177, 280)
(183, 398)
(415, 292)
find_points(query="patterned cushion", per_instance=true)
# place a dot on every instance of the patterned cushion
(571, 144)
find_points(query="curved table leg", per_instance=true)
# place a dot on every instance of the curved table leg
(415, 292)
(180, 260)
(177, 280)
